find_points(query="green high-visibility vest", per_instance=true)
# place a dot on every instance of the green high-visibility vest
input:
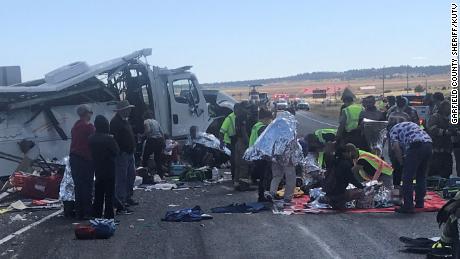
(377, 163)
(320, 159)
(352, 114)
(255, 132)
(319, 133)
(228, 128)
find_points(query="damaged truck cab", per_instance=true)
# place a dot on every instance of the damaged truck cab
(36, 117)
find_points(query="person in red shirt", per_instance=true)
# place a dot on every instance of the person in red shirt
(81, 163)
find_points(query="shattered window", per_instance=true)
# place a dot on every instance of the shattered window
(185, 91)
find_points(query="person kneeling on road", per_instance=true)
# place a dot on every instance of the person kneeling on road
(371, 167)
(339, 175)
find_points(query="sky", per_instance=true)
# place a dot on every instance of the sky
(226, 40)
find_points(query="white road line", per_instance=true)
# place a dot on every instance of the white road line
(321, 243)
(315, 120)
(24, 229)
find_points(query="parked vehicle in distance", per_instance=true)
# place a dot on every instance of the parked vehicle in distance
(303, 106)
(416, 101)
(282, 104)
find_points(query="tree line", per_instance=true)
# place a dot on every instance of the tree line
(390, 72)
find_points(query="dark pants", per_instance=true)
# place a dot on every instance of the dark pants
(154, 146)
(125, 174)
(416, 165)
(103, 193)
(457, 160)
(339, 201)
(83, 178)
(232, 156)
(262, 171)
(441, 164)
(397, 168)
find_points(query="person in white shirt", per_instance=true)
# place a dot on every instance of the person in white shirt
(154, 143)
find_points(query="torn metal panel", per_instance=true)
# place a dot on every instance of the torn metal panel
(92, 71)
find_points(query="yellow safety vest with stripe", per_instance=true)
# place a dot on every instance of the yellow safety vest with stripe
(380, 166)
(352, 114)
(228, 128)
(319, 133)
(255, 132)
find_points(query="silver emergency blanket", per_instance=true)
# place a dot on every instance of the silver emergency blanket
(310, 164)
(375, 133)
(66, 189)
(278, 142)
(208, 140)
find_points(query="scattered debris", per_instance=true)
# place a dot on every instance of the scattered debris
(17, 217)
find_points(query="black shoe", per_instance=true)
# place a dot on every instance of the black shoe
(405, 210)
(132, 202)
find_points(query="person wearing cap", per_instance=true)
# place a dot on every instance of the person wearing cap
(104, 149)
(81, 162)
(125, 173)
(412, 148)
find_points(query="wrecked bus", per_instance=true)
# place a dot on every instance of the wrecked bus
(36, 116)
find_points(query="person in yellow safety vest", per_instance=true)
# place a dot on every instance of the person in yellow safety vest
(324, 136)
(227, 136)
(261, 168)
(265, 117)
(348, 131)
(371, 167)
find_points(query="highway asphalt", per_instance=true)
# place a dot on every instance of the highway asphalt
(261, 235)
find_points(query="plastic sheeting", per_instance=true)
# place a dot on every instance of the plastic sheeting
(278, 142)
(208, 140)
(375, 133)
(66, 190)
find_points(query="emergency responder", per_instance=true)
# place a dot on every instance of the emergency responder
(440, 131)
(447, 217)
(326, 135)
(319, 141)
(348, 131)
(227, 136)
(402, 105)
(438, 97)
(262, 168)
(391, 101)
(370, 110)
(371, 167)
(412, 147)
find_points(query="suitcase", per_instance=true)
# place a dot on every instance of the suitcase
(40, 187)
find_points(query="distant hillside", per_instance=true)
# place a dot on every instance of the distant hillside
(390, 72)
